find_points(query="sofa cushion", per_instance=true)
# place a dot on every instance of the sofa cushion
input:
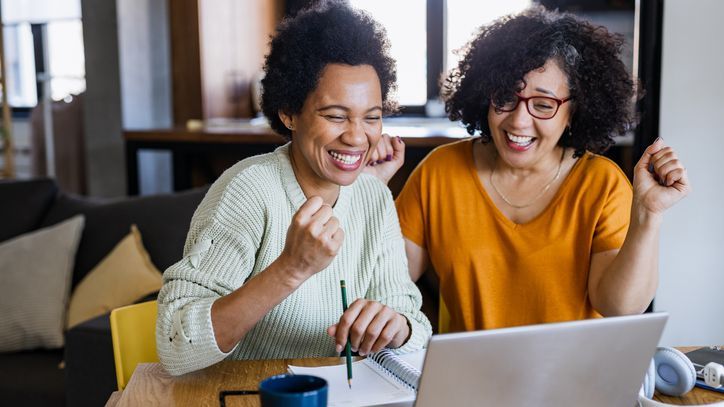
(162, 219)
(33, 378)
(124, 276)
(23, 204)
(34, 286)
(90, 370)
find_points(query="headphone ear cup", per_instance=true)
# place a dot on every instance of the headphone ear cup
(675, 374)
(650, 381)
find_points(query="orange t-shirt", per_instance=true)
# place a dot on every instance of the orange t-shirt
(495, 273)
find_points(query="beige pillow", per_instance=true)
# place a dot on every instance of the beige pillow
(35, 279)
(123, 277)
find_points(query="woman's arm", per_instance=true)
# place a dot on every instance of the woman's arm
(417, 259)
(198, 325)
(313, 240)
(386, 159)
(624, 281)
(235, 314)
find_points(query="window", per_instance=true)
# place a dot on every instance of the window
(42, 37)
(408, 43)
(415, 29)
(464, 17)
(66, 58)
(20, 65)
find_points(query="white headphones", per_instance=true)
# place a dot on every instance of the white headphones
(673, 374)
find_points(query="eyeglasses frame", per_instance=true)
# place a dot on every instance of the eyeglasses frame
(559, 102)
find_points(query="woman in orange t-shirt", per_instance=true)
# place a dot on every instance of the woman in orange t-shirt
(527, 223)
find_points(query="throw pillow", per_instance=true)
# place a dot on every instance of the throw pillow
(124, 276)
(35, 275)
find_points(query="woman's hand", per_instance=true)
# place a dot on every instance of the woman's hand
(660, 180)
(387, 158)
(370, 326)
(313, 240)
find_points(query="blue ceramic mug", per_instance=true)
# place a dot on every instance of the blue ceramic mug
(288, 390)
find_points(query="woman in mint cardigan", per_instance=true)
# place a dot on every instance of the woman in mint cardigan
(276, 233)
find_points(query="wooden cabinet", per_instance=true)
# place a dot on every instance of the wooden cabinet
(217, 50)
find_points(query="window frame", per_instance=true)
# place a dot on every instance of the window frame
(436, 38)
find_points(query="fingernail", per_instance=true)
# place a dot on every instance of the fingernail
(380, 161)
(658, 138)
(362, 353)
(338, 348)
(399, 139)
(369, 162)
(354, 349)
(651, 168)
(388, 157)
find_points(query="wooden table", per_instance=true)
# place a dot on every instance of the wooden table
(150, 385)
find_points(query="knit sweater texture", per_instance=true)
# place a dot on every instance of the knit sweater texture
(240, 228)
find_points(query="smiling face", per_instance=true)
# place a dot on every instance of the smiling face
(339, 125)
(523, 141)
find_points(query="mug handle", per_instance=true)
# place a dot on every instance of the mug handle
(224, 393)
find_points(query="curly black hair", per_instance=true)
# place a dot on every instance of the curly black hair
(325, 33)
(502, 53)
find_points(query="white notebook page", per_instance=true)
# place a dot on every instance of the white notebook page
(369, 385)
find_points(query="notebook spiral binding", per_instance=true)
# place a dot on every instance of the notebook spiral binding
(397, 368)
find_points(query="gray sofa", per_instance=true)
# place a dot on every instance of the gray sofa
(83, 373)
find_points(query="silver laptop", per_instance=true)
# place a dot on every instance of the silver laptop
(593, 363)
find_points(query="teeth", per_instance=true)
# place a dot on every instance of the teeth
(519, 139)
(344, 158)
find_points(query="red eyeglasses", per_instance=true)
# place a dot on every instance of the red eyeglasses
(540, 107)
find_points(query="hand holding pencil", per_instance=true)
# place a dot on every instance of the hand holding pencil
(368, 326)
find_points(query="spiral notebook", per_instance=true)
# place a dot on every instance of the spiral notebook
(383, 378)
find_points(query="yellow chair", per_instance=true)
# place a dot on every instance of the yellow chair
(133, 330)
(443, 318)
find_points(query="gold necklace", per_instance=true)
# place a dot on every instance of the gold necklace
(543, 191)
